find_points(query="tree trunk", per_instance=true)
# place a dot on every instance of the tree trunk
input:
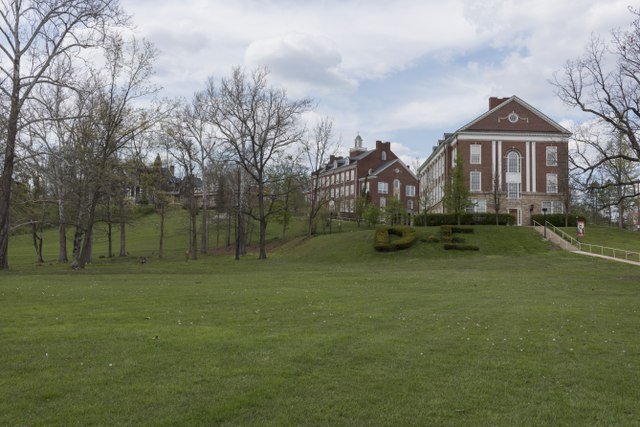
(263, 223)
(87, 245)
(37, 242)
(109, 230)
(203, 229)
(7, 168)
(194, 233)
(62, 233)
(161, 246)
(123, 228)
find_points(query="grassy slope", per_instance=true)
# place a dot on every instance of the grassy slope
(609, 236)
(326, 332)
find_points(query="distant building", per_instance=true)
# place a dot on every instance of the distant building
(513, 153)
(377, 174)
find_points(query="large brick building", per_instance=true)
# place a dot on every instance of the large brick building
(377, 173)
(512, 154)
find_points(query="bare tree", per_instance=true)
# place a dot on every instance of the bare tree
(114, 120)
(196, 120)
(35, 35)
(257, 122)
(605, 82)
(318, 149)
(184, 151)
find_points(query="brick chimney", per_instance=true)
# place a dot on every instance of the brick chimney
(495, 101)
(383, 146)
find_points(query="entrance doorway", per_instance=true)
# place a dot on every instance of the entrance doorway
(517, 215)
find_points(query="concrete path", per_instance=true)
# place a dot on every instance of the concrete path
(561, 243)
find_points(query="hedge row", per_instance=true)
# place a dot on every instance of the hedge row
(383, 243)
(430, 219)
(459, 247)
(556, 219)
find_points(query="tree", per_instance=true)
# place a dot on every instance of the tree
(257, 122)
(605, 83)
(184, 151)
(196, 120)
(497, 193)
(156, 183)
(456, 193)
(285, 183)
(36, 36)
(318, 149)
(113, 121)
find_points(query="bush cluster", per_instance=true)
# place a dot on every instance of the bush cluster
(431, 219)
(556, 219)
(383, 243)
(459, 247)
(452, 242)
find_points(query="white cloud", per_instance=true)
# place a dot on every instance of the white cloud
(311, 60)
(407, 69)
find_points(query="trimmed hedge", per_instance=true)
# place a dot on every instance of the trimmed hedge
(431, 219)
(450, 229)
(383, 243)
(556, 219)
(459, 247)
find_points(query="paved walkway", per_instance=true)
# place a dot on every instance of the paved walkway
(560, 242)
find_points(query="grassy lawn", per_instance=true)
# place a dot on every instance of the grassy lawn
(324, 332)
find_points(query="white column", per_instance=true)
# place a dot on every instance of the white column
(533, 167)
(499, 165)
(493, 165)
(528, 166)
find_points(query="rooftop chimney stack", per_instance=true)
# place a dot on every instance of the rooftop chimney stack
(495, 101)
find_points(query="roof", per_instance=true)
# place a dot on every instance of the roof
(382, 167)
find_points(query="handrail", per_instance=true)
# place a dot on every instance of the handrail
(594, 249)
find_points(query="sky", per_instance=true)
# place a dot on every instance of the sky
(403, 71)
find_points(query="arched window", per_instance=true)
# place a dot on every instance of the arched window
(384, 156)
(514, 175)
(513, 162)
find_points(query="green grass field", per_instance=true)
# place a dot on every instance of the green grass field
(324, 332)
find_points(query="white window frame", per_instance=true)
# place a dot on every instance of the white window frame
(514, 190)
(553, 206)
(475, 157)
(475, 182)
(552, 156)
(478, 206)
(514, 162)
(383, 187)
(410, 190)
(552, 183)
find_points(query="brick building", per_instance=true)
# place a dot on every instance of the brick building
(377, 172)
(512, 154)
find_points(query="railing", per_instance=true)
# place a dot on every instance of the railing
(590, 248)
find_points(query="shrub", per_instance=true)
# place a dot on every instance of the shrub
(383, 243)
(557, 219)
(430, 219)
(460, 247)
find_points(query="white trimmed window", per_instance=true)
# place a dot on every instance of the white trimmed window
(476, 178)
(383, 187)
(478, 205)
(552, 156)
(410, 190)
(410, 205)
(513, 190)
(476, 158)
(383, 202)
(553, 207)
(552, 183)
(513, 162)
